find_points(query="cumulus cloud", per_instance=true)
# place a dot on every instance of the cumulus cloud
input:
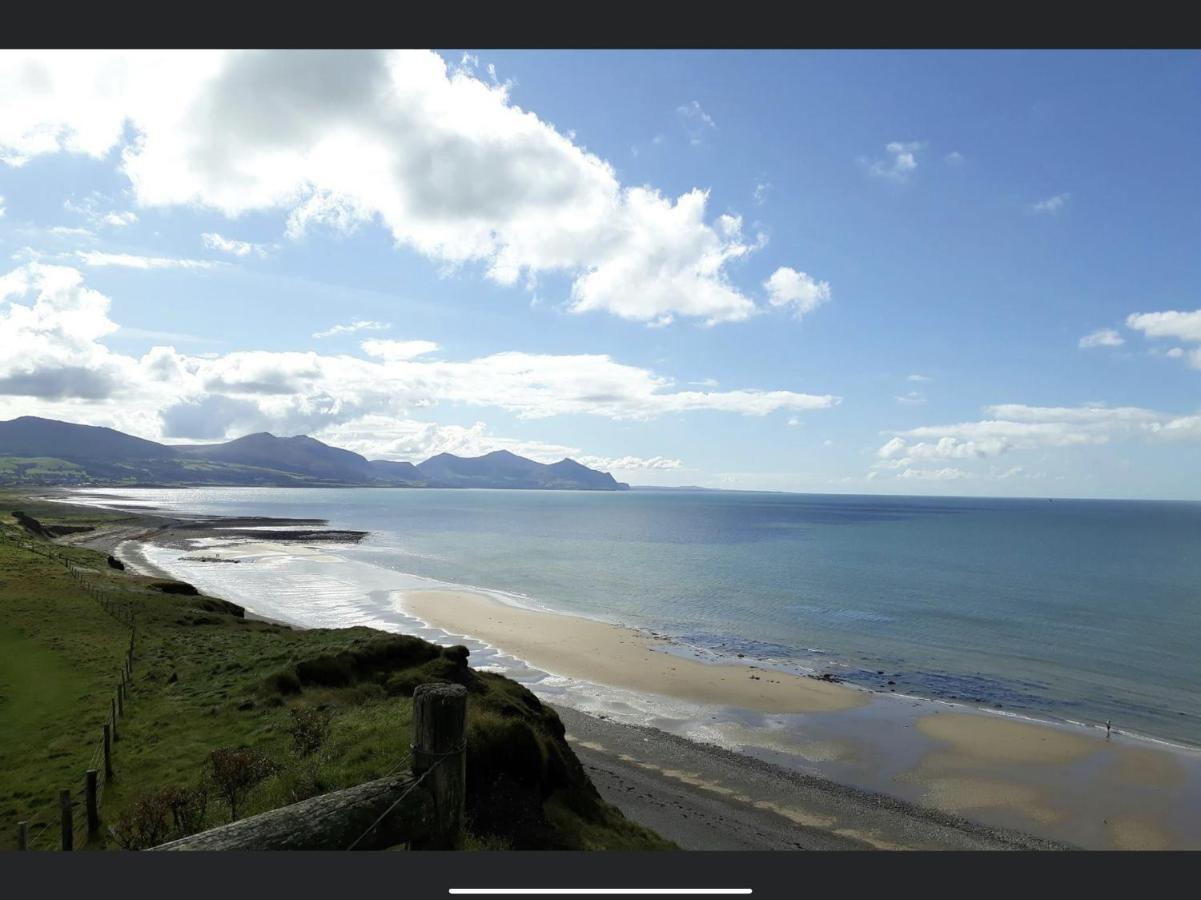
(211, 418)
(1050, 206)
(57, 326)
(1015, 427)
(899, 162)
(788, 287)
(447, 162)
(397, 350)
(1104, 337)
(1176, 324)
(51, 325)
(409, 440)
(353, 326)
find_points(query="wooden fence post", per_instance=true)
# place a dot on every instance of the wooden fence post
(108, 752)
(22, 835)
(93, 805)
(121, 696)
(439, 727)
(113, 717)
(64, 804)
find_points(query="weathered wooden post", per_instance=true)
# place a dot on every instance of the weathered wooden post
(108, 752)
(22, 835)
(121, 696)
(93, 804)
(113, 718)
(439, 728)
(68, 825)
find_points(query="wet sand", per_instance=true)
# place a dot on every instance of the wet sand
(622, 657)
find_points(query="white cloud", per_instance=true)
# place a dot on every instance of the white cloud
(911, 398)
(214, 241)
(398, 350)
(1175, 324)
(788, 287)
(384, 437)
(629, 463)
(1089, 414)
(130, 261)
(1016, 427)
(762, 189)
(56, 354)
(899, 163)
(1051, 205)
(918, 378)
(954, 158)
(696, 122)
(945, 474)
(51, 325)
(1104, 337)
(119, 219)
(1183, 326)
(447, 162)
(353, 326)
(93, 208)
(1, 207)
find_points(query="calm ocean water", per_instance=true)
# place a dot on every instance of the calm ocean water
(1079, 610)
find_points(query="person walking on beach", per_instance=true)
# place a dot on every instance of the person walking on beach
(1107, 727)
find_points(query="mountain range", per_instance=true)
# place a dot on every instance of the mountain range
(49, 452)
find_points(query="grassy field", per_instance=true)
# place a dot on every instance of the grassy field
(205, 678)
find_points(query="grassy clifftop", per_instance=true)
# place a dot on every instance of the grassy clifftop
(322, 709)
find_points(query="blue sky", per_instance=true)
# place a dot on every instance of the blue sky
(960, 273)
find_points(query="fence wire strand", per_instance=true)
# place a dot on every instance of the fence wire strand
(412, 787)
(45, 837)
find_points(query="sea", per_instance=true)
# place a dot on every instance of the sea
(1077, 611)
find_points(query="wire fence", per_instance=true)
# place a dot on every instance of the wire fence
(39, 830)
(47, 828)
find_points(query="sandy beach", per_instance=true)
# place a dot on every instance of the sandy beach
(622, 657)
(1020, 775)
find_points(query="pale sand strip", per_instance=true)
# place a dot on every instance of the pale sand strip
(621, 657)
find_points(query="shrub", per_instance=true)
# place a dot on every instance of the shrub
(143, 822)
(236, 772)
(188, 807)
(175, 587)
(309, 729)
(285, 682)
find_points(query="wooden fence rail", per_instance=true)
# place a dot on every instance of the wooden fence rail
(423, 808)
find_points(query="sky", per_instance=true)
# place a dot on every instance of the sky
(960, 273)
